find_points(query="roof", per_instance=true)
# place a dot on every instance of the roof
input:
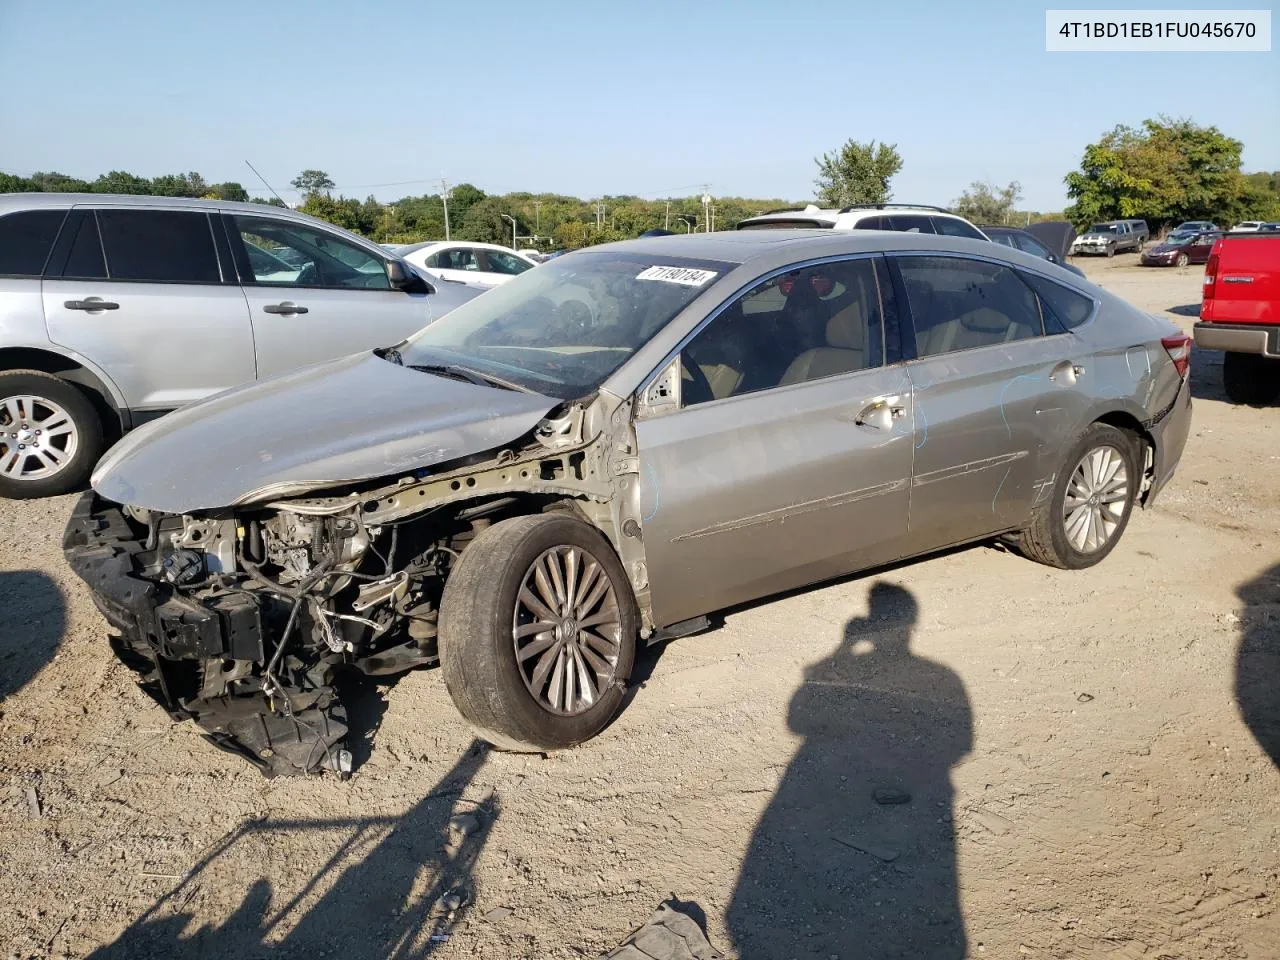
(733, 246)
(426, 244)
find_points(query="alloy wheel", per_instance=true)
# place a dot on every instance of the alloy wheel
(1096, 497)
(567, 630)
(38, 438)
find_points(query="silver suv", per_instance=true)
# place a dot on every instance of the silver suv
(117, 309)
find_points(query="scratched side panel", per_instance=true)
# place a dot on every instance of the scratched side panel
(990, 425)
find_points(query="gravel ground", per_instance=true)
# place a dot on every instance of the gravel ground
(1090, 761)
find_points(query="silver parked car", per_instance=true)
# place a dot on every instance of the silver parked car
(116, 309)
(604, 451)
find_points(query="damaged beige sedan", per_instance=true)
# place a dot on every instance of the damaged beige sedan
(603, 452)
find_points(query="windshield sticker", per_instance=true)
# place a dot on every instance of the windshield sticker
(685, 276)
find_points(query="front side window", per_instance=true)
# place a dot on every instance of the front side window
(960, 304)
(563, 329)
(281, 253)
(814, 322)
(158, 246)
(26, 238)
(955, 227)
(506, 263)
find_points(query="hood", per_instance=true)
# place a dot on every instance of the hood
(357, 418)
(1166, 247)
(1057, 235)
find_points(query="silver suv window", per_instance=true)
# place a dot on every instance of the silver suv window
(26, 238)
(158, 246)
(281, 253)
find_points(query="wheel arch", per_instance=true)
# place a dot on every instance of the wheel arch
(106, 397)
(1128, 423)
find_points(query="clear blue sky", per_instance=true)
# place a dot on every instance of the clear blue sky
(590, 98)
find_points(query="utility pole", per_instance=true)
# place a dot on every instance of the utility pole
(706, 205)
(444, 196)
(537, 217)
(666, 221)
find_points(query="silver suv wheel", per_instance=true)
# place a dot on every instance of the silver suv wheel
(38, 438)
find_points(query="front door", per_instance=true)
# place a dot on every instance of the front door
(315, 296)
(994, 397)
(789, 459)
(142, 293)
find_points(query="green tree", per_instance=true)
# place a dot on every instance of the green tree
(312, 182)
(484, 221)
(229, 191)
(118, 181)
(857, 173)
(11, 184)
(984, 202)
(1166, 171)
(58, 183)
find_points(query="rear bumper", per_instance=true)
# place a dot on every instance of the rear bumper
(1260, 339)
(1170, 433)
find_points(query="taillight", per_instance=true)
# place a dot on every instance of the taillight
(1210, 276)
(1179, 350)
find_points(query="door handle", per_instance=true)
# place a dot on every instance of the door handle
(284, 309)
(1066, 373)
(879, 415)
(91, 304)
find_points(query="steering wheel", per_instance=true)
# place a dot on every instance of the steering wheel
(694, 386)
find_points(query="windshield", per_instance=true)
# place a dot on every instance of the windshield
(565, 327)
(1103, 228)
(1175, 239)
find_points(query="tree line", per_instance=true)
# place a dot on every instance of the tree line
(1164, 171)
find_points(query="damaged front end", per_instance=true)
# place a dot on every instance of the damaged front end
(240, 622)
(242, 618)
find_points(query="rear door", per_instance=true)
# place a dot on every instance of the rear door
(789, 459)
(314, 295)
(992, 392)
(146, 294)
(461, 264)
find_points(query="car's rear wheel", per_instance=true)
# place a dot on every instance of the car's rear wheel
(50, 435)
(1092, 499)
(538, 633)
(1251, 379)
(1183, 260)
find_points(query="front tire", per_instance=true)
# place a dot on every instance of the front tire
(1251, 379)
(1111, 251)
(50, 435)
(1183, 260)
(538, 633)
(1092, 499)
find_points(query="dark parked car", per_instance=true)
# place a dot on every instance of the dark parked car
(606, 450)
(1027, 242)
(1180, 249)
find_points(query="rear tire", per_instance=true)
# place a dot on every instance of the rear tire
(50, 435)
(488, 612)
(1089, 507)
(1251, 379)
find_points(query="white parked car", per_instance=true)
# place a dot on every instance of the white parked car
(477, 264)
(1247, 226)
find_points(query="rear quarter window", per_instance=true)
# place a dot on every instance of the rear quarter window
(26, 238)
(1064, 309)
(955, 227)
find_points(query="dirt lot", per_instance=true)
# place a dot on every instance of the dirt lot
(1086, 756)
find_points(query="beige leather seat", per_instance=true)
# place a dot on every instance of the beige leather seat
(845, 350)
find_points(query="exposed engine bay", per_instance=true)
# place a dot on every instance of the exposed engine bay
(242, 619)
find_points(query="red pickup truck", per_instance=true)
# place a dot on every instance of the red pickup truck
(1240, 314)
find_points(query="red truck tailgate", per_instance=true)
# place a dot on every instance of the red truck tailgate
(1245, 287)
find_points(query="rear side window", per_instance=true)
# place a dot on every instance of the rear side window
(163, 246)
(26, 238)
(911, 223)
(961, 304)
(1068, 308)
(955, 227)
(500, 262)
(874, 223)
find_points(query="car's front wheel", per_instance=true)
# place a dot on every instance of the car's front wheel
(1111, 250)
(1183, 260)
(1093, 495)
(50, 435)
(1251, 379)
(538, 633)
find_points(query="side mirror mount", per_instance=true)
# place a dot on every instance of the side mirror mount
(403, 278)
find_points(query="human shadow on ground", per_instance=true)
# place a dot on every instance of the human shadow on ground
(33, 616)
(1258, 660)
(393, 887)
(855, 855)
(1186, 310)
